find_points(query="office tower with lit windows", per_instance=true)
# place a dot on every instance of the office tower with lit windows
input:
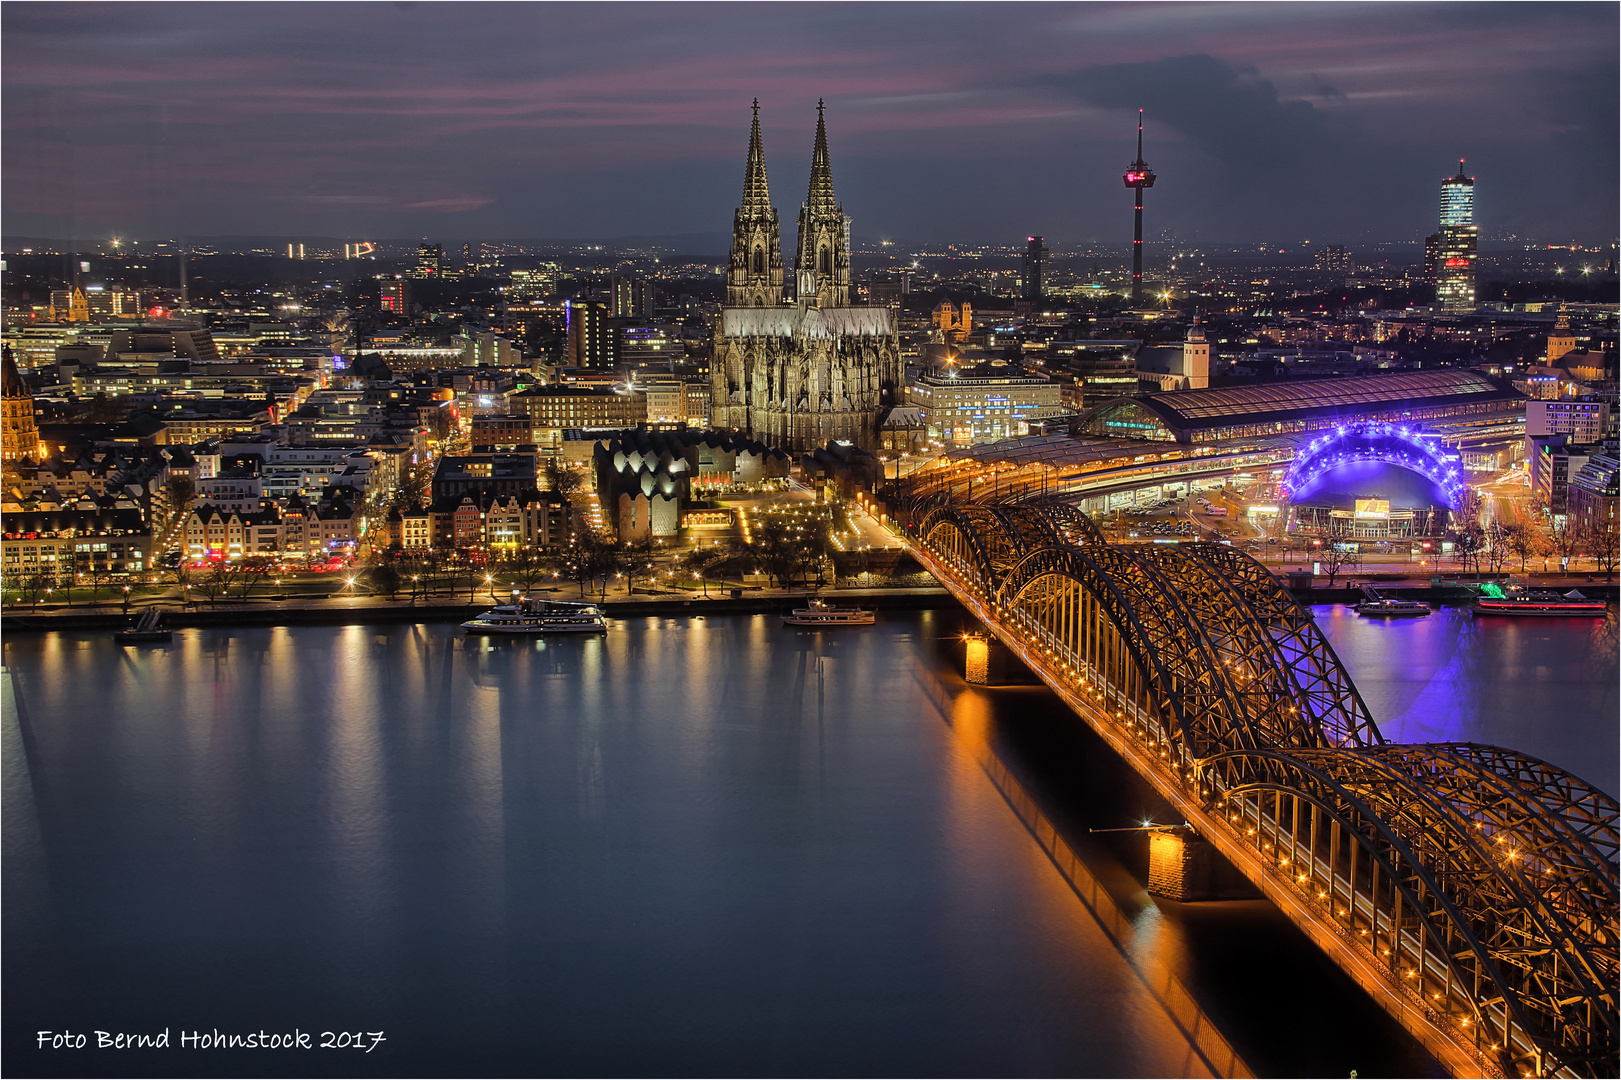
(590, 344)
(1455, 252)
(394, 296)
(632, 298)
(1333, 257)
(430, 264)
(1033, 273)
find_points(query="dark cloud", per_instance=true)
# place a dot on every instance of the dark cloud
(974, 122)
(1228, 111)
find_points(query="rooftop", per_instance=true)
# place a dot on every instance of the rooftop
(1218, 407)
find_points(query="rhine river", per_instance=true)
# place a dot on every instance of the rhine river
(690, 847)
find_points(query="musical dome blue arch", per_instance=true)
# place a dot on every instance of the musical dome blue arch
(1401, 445)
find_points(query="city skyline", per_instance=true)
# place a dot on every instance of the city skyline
(1328, 123)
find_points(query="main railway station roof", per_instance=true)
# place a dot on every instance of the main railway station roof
(1180, 413)
(1065, 453)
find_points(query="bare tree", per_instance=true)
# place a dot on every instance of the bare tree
(563, 480)
(1522, 541)
(1602, 540)
(250, 572)
(526, 568)
(214, 582)
(637, 561)
(1497, 545)
(97, 573)
(607, 562)
(706, 561)
(1468, 543)
(182, 492)
(1338, 553)
(30, 586)
(1567, 541)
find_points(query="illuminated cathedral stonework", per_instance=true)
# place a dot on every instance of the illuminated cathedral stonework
(798, 374)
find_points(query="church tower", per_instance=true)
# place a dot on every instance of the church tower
(822, 262)
(754, 278)
(19, 431)
(1561, 341)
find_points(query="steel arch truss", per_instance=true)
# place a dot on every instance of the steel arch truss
(1483, 882)
(1300, 648)
(1482, 933)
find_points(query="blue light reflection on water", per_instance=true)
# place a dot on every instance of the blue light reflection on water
(1545, 686)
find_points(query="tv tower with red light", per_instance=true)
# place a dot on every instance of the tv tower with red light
(1138, 176)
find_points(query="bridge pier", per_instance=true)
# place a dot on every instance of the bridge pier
(1182, 865)
(988, 662)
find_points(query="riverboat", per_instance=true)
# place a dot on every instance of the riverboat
(1494, 601)
(1384, 608)
(145, 631)
(821, 613)
(537, 616)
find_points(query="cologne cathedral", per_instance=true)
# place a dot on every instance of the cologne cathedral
(799, 373)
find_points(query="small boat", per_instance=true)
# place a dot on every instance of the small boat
(1494, 601)
(145, 630)
(1387, 609)
(1379, 606)
(821, 613)
(538, 616)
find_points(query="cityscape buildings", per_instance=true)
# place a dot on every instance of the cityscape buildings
(1177, 499)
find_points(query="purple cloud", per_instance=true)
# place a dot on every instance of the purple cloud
(973, 122)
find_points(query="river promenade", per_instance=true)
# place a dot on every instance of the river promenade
(328, 608)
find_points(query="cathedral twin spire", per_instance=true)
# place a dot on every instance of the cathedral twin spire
(822, 256)
(756, 193)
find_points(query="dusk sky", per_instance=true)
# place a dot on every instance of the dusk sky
(953, 122)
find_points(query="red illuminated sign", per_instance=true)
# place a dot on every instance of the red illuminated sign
(1455, 263)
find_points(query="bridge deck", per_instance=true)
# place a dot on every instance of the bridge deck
(1215, 685)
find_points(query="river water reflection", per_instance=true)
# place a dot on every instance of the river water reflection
(717, 847)
(1544, 686)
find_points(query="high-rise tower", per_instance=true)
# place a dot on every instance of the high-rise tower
(1033, 273)
(1455, 254)
(754, 278)
(822, 264)
(1138, 176)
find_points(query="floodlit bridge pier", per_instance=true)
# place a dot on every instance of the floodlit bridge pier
(1470, 889)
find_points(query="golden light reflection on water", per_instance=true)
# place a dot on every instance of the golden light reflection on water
(354, 794)
(1075, 913)
(416, 770)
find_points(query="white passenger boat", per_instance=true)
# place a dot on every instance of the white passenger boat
(535, 616)
(821, 613)
(1378, 606)
(1389, 609)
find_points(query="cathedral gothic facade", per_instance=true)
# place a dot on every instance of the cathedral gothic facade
(797, 373)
